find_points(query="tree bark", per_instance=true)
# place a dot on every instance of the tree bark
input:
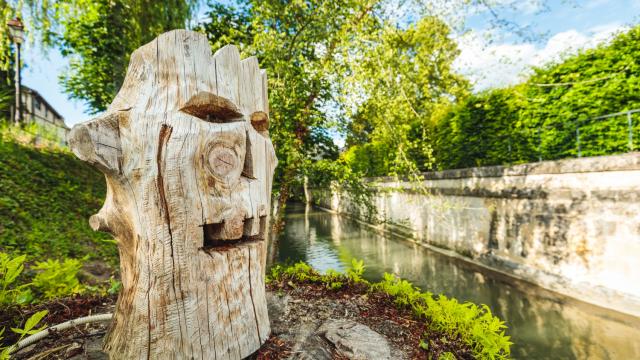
(189, 166)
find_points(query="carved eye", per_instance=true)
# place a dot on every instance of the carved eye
(212, 108)
(224, 157)
(222, 161)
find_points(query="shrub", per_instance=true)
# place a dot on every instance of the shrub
(58, 279)
(52, 279)
(538, 118)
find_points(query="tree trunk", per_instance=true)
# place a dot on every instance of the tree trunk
(307, 192)
(189, 165)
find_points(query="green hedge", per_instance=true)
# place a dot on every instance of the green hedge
(537, 120)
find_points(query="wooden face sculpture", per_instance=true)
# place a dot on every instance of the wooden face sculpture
(189, 164)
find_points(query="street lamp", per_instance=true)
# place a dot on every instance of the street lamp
(16, 30)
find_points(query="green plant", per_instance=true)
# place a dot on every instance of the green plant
(114, 286)
(539, 118)
(6, 98)
(356, 270)
(447, 356)
(10, 269)
(474, 324)
(333, 280)
(58, 279)
(29, 328)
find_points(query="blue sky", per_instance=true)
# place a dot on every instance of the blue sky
(490, 57)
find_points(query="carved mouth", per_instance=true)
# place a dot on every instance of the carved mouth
(216, 235)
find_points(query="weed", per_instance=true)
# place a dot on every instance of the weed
(29, 328)
(10, 270)
(58, 279)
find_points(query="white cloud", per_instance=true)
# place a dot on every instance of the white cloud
(490, 65)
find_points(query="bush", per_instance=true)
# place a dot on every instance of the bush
(10, 292)
(57, 279)
(50, 279)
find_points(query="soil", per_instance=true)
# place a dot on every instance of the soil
(401, 328)
(300, 305)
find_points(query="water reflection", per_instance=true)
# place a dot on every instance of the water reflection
(543, 325)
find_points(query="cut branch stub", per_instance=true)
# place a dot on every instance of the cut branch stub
(260, 121)
(189, 166)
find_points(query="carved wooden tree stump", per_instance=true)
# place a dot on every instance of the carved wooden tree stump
(189, 164)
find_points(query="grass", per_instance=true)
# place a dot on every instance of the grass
(46, 198)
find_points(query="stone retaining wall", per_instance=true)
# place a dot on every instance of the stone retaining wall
(572, 226)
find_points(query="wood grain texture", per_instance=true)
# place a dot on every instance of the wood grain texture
(188, 192)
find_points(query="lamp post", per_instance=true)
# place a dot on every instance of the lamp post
(16, 30)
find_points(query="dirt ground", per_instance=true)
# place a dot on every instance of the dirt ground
(296, 311)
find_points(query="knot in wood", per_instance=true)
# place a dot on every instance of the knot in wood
(222, 161)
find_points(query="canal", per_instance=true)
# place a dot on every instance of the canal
(542, 324)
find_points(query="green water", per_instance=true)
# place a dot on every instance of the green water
(543, 325)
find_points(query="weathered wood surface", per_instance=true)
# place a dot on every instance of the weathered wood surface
(189, 165)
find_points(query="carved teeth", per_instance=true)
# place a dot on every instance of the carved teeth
(226, 233)
(228, 229)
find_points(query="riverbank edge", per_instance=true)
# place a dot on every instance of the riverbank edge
(565, 294)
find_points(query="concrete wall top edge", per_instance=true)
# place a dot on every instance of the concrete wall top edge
(622, 162)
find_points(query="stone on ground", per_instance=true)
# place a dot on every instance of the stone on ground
(354, 340)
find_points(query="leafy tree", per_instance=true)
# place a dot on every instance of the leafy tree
(595, 82)
(7, 96)
(299, 44)
(97, 36)
(400, 79)
(479, 131)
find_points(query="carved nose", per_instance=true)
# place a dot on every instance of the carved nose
(80, 142)
(97, 142)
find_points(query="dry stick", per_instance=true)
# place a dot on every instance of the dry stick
(44, 354)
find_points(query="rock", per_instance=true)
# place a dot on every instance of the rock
(307, 344)
(278, 308)
(354, 340)
(95, 272)
(320, 329)
(93, 350)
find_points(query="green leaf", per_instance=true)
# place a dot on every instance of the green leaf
(34, 320)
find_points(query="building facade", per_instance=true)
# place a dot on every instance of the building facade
(36, 110)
